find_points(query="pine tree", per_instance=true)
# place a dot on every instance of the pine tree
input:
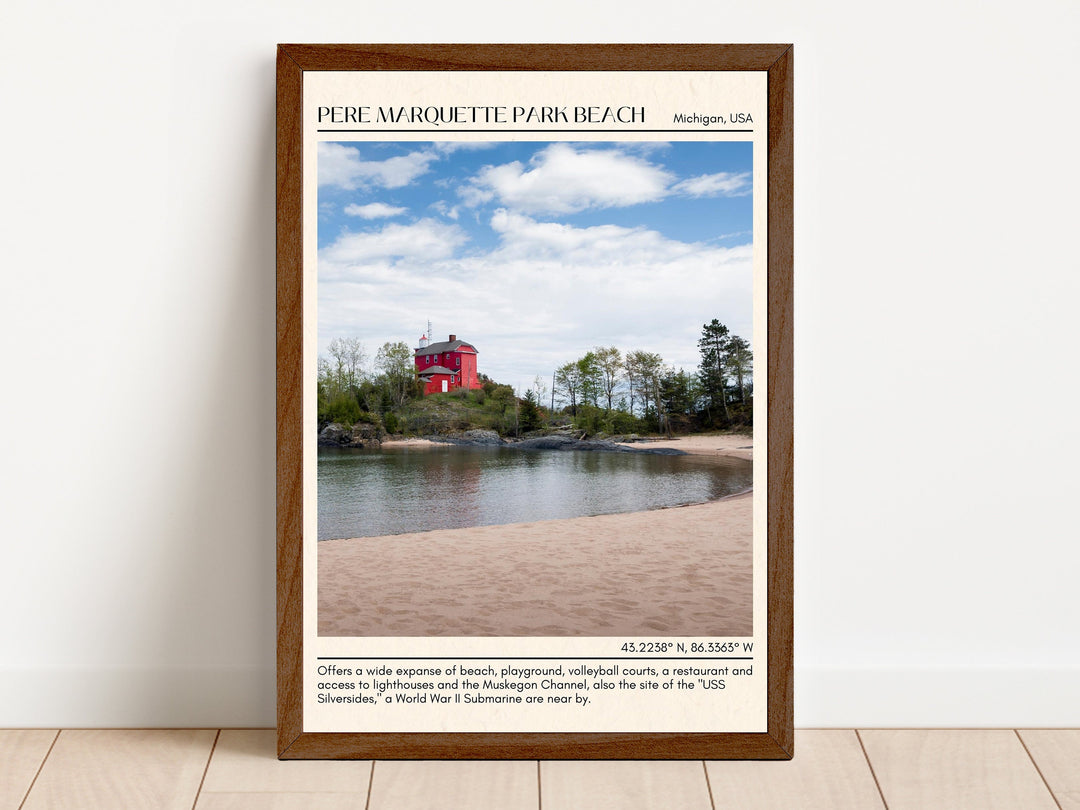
(713, 346)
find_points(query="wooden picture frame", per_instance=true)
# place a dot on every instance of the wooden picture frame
(294, 62)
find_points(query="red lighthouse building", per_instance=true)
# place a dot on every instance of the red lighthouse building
(447, 365)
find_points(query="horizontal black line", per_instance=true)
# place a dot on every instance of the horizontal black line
(623, 131)
(520, 658)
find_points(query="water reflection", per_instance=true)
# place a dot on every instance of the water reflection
(366, 493)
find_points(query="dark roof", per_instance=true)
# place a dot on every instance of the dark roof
(445, 346)
(438, 370)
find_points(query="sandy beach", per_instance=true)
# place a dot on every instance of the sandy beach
(411, 443)
(670, 572)
(726, 444)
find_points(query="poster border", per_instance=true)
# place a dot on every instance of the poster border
(293, 743)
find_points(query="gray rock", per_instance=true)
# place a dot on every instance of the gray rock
(556, 441)
(334, 435)
(548, 443)
(471, 438)
(569, 443)
(361, 435)
(365, 435)
(482, 437)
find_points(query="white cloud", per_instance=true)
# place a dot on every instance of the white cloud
(375, 210)
(445, 209)
(721, 184)
(426, 239)
(562, 179)
(474, 195)
(606, 244)
(544, 294)
(341, 165)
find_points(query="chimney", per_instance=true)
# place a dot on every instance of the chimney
(453, 338)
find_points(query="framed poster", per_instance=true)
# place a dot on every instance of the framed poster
(534, 401)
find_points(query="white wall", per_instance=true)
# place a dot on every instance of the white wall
(936, 290)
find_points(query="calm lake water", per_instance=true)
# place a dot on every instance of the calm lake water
(367, 493)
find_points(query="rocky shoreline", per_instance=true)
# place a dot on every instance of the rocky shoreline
(360, 435)
(555, 441)
(371, 437)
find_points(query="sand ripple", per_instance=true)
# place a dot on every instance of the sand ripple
(677, 572)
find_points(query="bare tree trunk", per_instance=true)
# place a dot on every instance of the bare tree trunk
(723, 389)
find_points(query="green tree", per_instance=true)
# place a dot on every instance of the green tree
(609, 363)
(529, 415)
(633, 377)
(349, 358)
(650, 372)
(326, 386)
(740, 362)
(713, 346)
(677, 392)
(394, 361)
(589, 377)
(568, 384)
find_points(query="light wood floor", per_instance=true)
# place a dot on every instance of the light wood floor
(834, 769)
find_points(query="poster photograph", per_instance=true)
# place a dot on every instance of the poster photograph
(534, 401)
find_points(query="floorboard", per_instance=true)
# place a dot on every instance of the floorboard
(829, 772)
(245, 761)
(21, 753)
(96, 769)
(281, 801)
(624, 785)
(970, 769)
(1056, 752)
(916, 769)
(477, 785)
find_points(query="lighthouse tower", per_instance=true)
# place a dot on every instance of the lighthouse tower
(425, 338)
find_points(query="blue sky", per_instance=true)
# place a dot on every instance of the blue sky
(535, 252)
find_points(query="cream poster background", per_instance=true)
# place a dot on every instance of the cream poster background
(663, 96)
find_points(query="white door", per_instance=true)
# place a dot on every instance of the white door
(445, 385)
